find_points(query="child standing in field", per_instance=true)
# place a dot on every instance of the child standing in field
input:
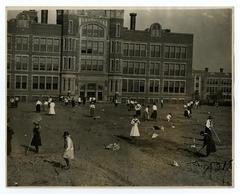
(169, 117)
(36, 140)
(68, 149)
(146, 114)
(92, 109)
(134, 131)
(138, 108)
(79, 101)
(154, 113)
(52, 108)
(38, 106)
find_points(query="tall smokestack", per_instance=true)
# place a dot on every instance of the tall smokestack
(59, 16)
(132, 21)
(44, 16)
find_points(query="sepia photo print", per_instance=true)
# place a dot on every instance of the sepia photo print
(119, 96)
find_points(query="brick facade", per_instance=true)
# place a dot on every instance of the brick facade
(91, 53)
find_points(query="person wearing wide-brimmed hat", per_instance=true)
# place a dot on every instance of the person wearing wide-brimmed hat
(36, 140)
(209, 125)
(68, 149)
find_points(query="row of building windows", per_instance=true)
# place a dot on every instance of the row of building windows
(9, 42)
(219, 81)
(114, 85)
(92, 30)
(133, 85)
(20, 81)
(91, 65)
(133, 67)
(175, 86)
(116, 47)
(21, 62)
(227, 97)
(38, 82)
(172, 69)
(40, 63)
(44, 82)
(69, 63)
(89, 47)
(21, 43)
(42, 44)
(128, 67)
(175, 52)
(154, 86)
(115, 65)
(218, 89)
(132, 49)
(154, 68)
(68, 84)
(69, 44)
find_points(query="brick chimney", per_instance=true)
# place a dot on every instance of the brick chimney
(132, 21)
(206, 69)
(44, 16)
(221, 70)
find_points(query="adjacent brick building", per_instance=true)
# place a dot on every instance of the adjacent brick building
(98, 56)
(212, 87)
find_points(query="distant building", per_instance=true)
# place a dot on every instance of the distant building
(91, 53)
(212, 87)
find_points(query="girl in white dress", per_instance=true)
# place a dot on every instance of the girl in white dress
(134, 131)
(52, 108)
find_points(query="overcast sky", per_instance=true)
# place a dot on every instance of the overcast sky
(212, 29)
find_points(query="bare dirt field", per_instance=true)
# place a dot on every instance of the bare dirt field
(144, 162)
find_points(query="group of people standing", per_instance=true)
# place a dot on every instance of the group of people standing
(46, 105)
(14, 100)
(68, 153)
(138, 115)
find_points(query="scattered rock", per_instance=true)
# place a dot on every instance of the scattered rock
(113, 146)
(175, 163)
(154, 135)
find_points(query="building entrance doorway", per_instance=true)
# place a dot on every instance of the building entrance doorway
(91, 94)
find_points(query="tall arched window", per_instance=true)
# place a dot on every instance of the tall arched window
(155, 30)
(92, 30)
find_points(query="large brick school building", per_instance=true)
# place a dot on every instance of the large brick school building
(91, 53)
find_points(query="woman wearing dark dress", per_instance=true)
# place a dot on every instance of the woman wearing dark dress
(208, 142)
(36, 140)
(38, 106)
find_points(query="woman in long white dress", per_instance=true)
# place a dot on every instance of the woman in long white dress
(134, 131)
(52, 108)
